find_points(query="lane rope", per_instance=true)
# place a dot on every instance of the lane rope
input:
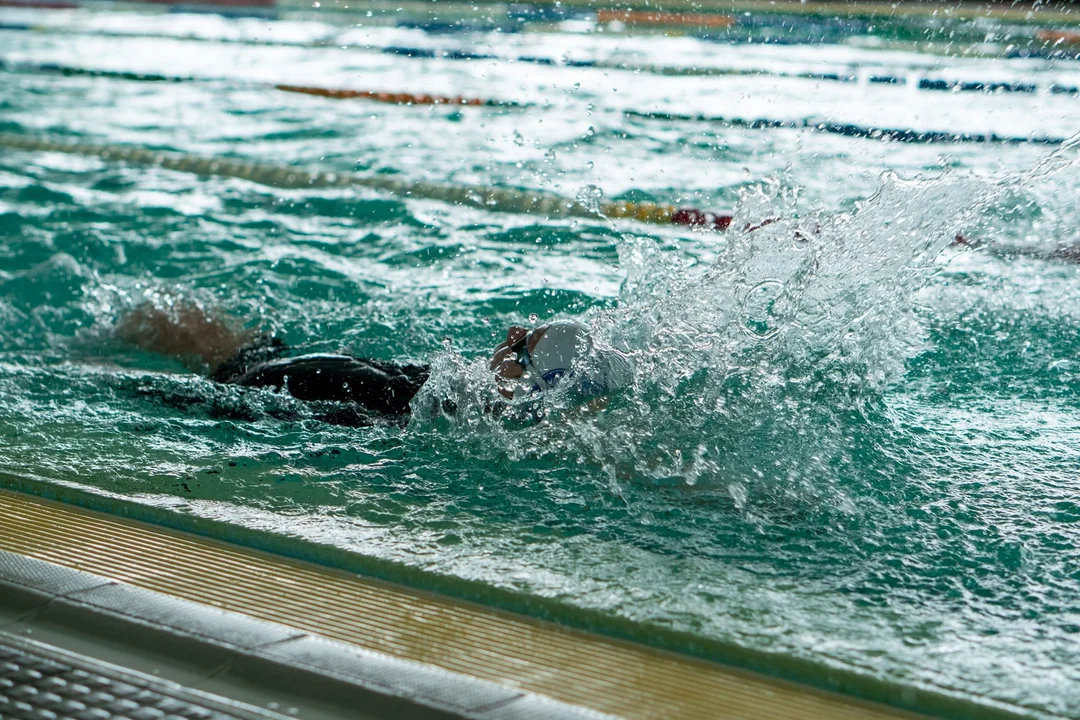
(502, 200)
(932, 84)
(392, 98)
(845, 129)
(1058, 37)
(486, 198)
(648, 17)
(855, 131)
(921, 83)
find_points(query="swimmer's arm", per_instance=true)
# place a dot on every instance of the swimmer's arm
(185, 331)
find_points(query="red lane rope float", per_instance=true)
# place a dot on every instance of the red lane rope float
(388, 97)
(667, 214)
(645, 17)
(698, 218)
(400, 98)
(1059, 36)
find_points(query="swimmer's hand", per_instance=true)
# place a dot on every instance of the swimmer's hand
(505, 349)
(504, 359)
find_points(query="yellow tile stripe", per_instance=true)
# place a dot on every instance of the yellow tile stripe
(609, 676)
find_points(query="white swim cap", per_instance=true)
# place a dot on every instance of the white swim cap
(564, 354)
(556, 350)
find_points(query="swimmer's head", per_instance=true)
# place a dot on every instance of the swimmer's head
(556, 347)
(556, 353)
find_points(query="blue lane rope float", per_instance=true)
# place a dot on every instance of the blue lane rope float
(477, 196)
(850, 130)
(68, 71)
(394, 98)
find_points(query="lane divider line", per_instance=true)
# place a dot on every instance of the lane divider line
(649, 17)
(392, 98)
(486, 198)
(850, 130)
(924, 83)
(932, 84)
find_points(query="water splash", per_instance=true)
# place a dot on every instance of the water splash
(767, 367)
(761, 367)
(1056, 162)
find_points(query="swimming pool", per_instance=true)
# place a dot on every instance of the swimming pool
(850, 445)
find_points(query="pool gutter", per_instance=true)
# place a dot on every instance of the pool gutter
(262, 629)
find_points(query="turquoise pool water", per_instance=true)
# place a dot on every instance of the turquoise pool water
(849, 444)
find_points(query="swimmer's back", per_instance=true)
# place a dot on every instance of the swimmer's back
(378, 386)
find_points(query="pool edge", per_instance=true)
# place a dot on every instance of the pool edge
(599, 672)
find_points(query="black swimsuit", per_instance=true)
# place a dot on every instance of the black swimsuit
(377, 386)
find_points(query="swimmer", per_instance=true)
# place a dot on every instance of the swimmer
(529, 362)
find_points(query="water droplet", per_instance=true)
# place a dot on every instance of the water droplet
(591, 197)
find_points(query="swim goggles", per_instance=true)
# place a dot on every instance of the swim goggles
(525, 360)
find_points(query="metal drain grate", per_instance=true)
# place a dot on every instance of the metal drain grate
(35, 687)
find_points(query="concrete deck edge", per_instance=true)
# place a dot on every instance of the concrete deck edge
(209, 652)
